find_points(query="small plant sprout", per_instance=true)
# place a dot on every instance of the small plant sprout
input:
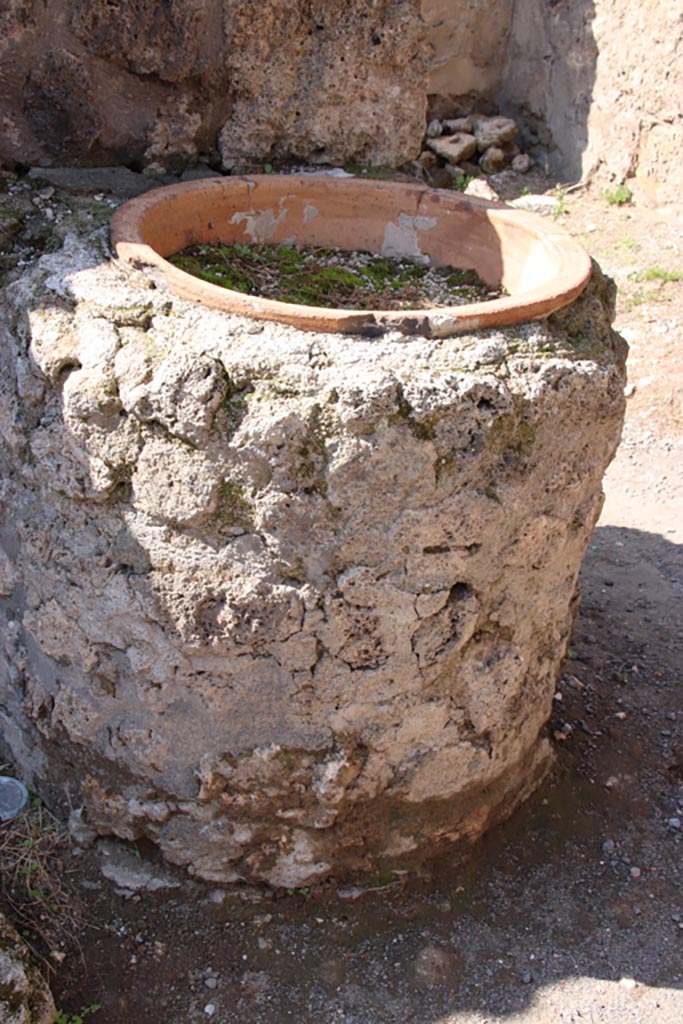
(460, 184)
(620, 196)
(562, 208)
(77, 1018)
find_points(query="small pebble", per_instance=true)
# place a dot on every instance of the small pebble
(521, 164)
(209, 1009)
(674, 823)
(527, 978)
(211, 983)
(635, 872)
(575, 683)
(608, 847)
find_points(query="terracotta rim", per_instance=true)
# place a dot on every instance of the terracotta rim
(540, 265)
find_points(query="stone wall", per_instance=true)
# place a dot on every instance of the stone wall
(593, 82)
(138, 82)
(468, 40)
(599, 82)
(549, 77)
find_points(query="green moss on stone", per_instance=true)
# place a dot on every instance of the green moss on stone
(511, 434)
(233, 509)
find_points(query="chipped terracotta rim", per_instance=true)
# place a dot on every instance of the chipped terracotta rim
(502, 244)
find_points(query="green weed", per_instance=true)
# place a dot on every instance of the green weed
(77, 1018)
(644, 296)
(627, 245)
(460, 184)
(658, 274)
(620, 196)
(562, 208)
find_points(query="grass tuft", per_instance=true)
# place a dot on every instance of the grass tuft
(620, 196)
(34, 887)
(658, 274)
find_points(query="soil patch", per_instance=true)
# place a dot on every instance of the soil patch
(335, 278)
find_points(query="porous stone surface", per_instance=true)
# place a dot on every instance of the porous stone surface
(144, 83)
(131, 874)
(485, 142)
(594, 84)
(24, 994)
(492, 161)
(288, 604)
(597, 83)
(469, 39)
(494, 131)
(454, 148)
(348, 83)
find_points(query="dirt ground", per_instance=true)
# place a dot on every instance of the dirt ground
(573, 910)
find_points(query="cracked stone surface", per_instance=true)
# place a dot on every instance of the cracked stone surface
(24, 994)
(162, 85)
(288, 605)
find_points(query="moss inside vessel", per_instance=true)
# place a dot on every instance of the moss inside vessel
(334, 278)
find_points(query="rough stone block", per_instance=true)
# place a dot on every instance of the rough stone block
(288, 604)
(24, 995)
(454, 148)
(165, 84)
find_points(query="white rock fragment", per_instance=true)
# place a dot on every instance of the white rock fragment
(545, 205)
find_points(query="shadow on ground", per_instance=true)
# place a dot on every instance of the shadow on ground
(579, 890)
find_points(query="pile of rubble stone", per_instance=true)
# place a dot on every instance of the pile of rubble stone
(472, 145)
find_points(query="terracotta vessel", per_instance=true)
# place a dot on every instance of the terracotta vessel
(538, 264)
